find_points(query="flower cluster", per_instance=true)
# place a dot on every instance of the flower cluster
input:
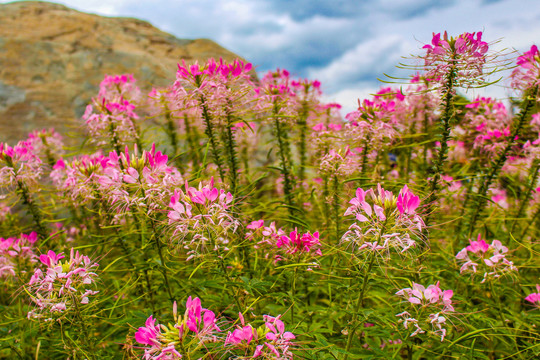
(188, 335)
(384, 221)
(19, 165)
(14, 252)
(339, 163)
(201, 218)
(138, 181)
(78, 179)
(47, 144)
(270, 341)
(527, 73)
(280, 246)
(112, 118)
(431, 299)
(114, 87)
(196, 333)
(489, 259)
(216, 88)
(464, 56)
(62, 285)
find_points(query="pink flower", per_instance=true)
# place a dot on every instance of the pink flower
(19, 164)
(431, 299)
(148, 335)
(489, 259)
(61, 283)
(534, 298)
(188, 333)
(373, 210)
(432, 295)
(464, 56)
(527, 73)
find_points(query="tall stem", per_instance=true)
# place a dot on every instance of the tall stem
(284, 153)
(528, 192)
(359, 303)
(302, 124)
(365, 152)
(230, 143)
(481, 199)
(209, 130)
(34, 210)
(446, 117)
(335, 203)
(171, 131)
(193, 141)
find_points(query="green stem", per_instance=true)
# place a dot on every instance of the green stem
(528, 192)
(209, 130)
(115, 142)
(34, 210)
(231, 152)
(171, 131)
(446, 117)
(363, 165)
(481, 199)
(283, 142)
(192, 141)
(302, 124)
(336, 207)
(359, 303)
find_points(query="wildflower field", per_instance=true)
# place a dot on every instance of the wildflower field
(230, 217)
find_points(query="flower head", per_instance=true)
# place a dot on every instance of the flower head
(61, 283)
(489, 259)
(384, 221)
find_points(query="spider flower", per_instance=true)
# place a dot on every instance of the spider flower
(187, 336)
(280, 246)
(534, 298)
(431, 299)
(527, 73)
(462, 58)
(384, 221)
(15, 252)
(201, 218)
(62, 284)
(19, 165)
(489, 259)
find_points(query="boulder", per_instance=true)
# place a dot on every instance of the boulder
(52, 59)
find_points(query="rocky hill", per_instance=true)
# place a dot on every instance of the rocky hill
(52, 59)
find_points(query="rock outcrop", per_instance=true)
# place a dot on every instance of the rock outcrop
(53, 58)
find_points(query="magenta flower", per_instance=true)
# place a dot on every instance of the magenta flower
(432, 295)
(189, 333)
(47, 144)
(201, 215)
(112, 118)
(281, 246)
(148, 335)
(464, 56)
(19, 165)
(431, 299)
(534, 298)
(527, 73)
(489, 259)
(407, 202)
(278, 340)
(61, 283)
(16, 253)
(384, 221)
(339, 163)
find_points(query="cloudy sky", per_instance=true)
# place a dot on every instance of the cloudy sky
(346, 44)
